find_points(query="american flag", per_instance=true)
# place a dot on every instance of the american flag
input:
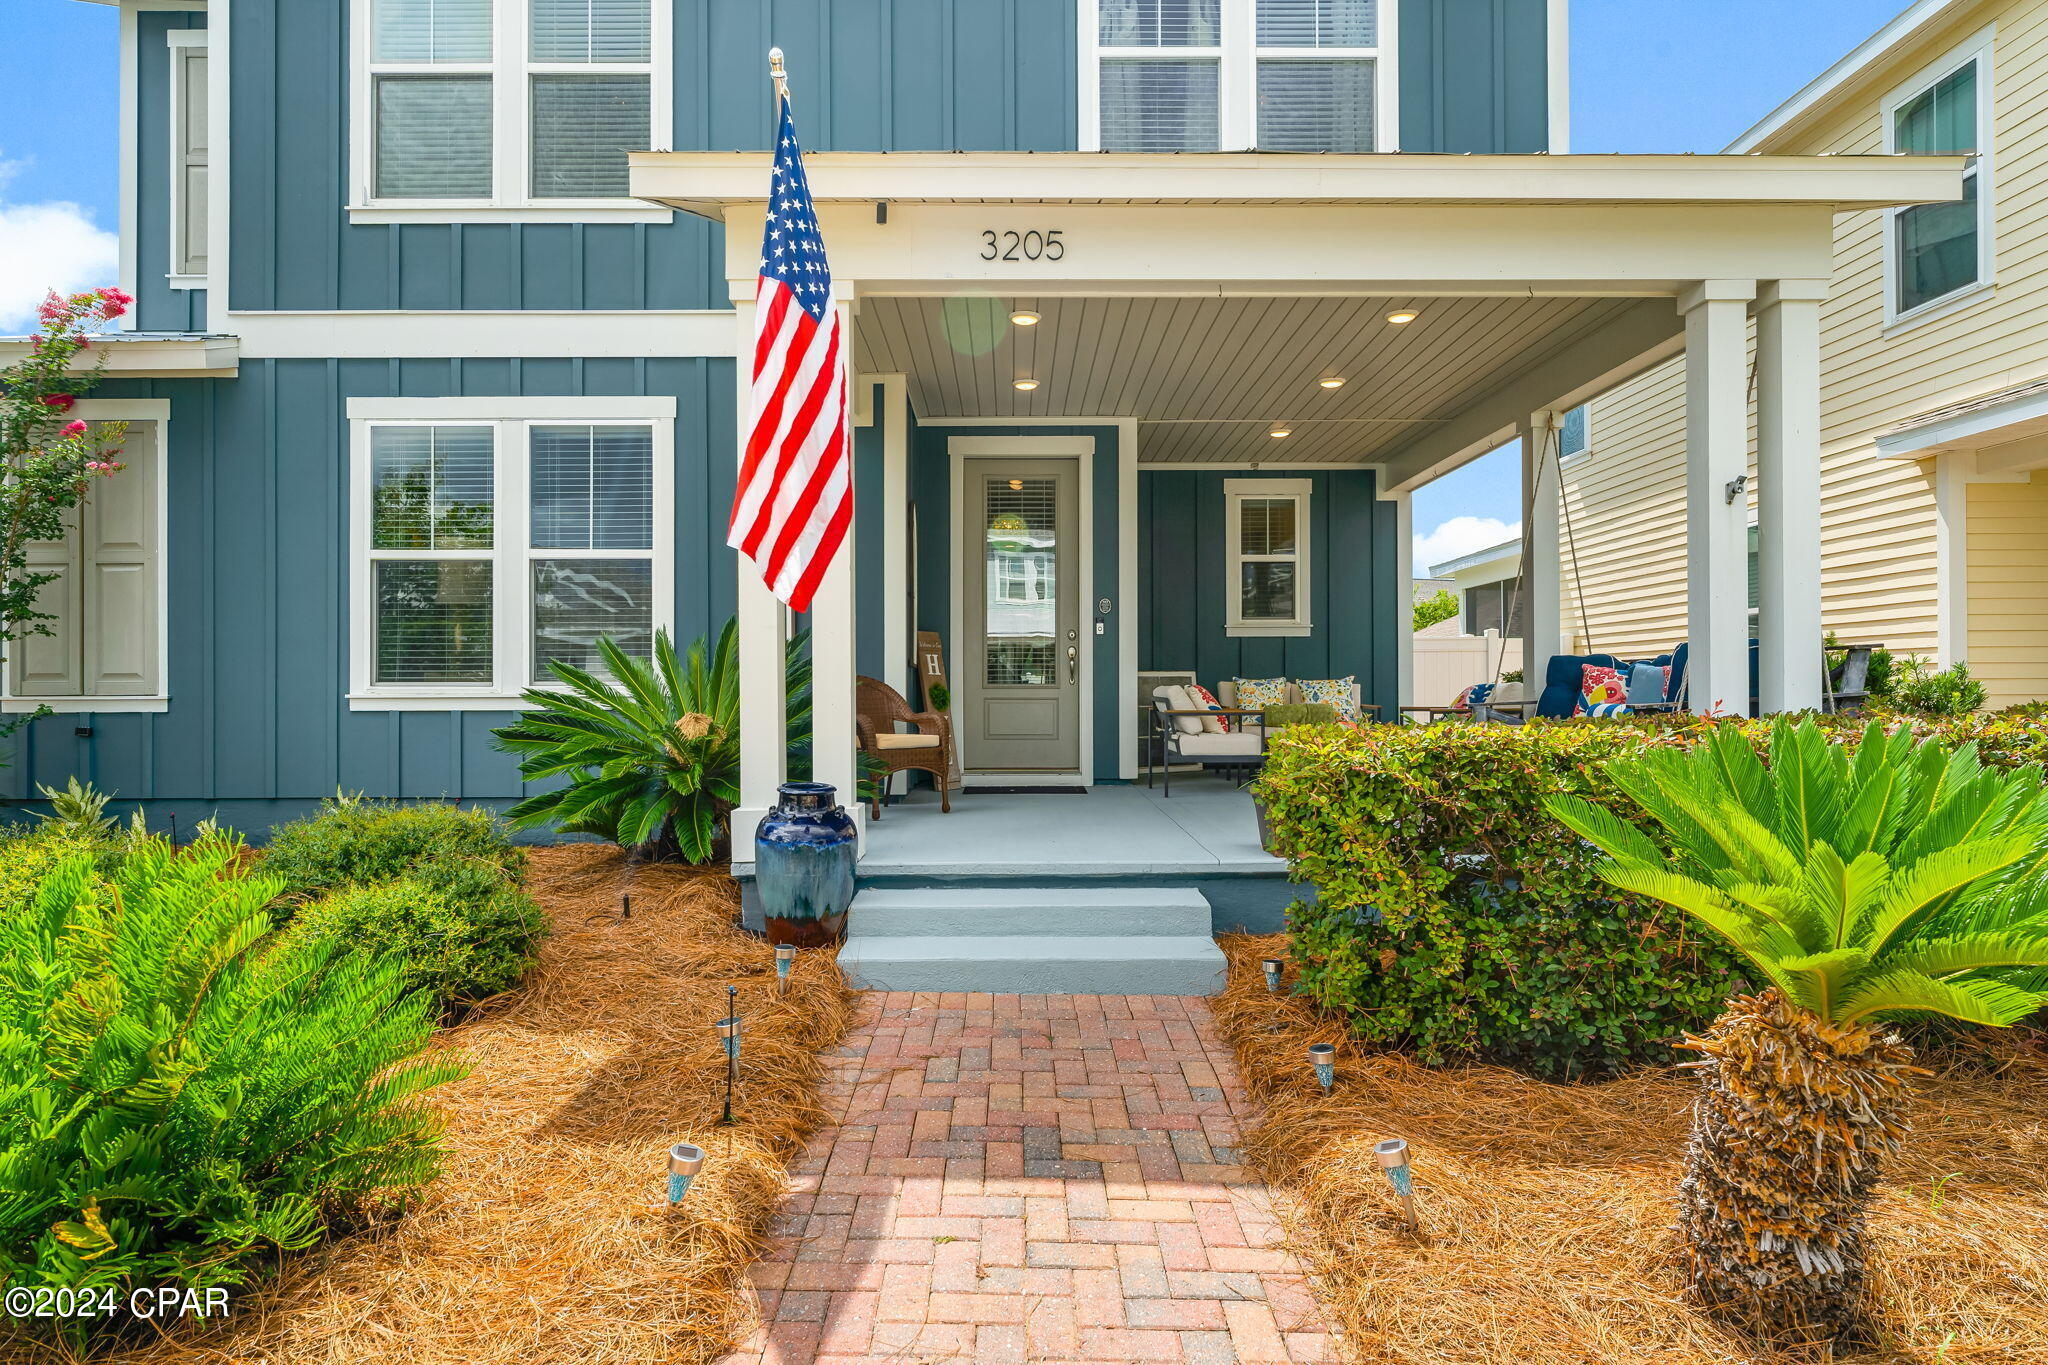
(795, 495)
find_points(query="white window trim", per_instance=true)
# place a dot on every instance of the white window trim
(1978, 49)
(178, 39)
(1235, 491)
(511, 595)
(511, 70)
(133, 411)
(1237, 79)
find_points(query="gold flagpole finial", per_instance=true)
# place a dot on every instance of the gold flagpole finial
(778, 72)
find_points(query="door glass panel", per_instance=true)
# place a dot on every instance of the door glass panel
(1021, 586)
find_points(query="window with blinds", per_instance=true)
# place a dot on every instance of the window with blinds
(509, 101)
(1938, 249)
(1208, 75)
(1266, 521)
(492, 548)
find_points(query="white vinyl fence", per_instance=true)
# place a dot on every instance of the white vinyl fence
(1447, 664)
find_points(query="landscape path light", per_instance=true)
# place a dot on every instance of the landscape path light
(729, 1036)
(1393, 1158)
(1273, 966)
(785, 960)
(1323, 1056)
(685, 1159)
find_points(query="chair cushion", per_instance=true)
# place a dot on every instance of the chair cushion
(1647, 682)
(906, 741)
(1177, 699)
(1339, 694)
(1219, 746)
(1203, 697)
(1253, 693)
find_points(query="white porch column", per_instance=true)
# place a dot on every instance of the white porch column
(1542, 555)
(1716, 510)
(1788, 494)
(1404, 575)
(763, 736)
(1952, 474)
(832, 639)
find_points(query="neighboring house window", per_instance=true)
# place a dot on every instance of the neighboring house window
(1572, 433)
(509, 102)
(188, 158)
(105, 600)
(1267, 525)
(1936, 251)
(1204, 75)
(488, 545)
(1494, 606)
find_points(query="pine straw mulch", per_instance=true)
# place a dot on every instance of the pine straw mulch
(546, 1238)
(1547, 1209)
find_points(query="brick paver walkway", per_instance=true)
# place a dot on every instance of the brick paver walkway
(1031, 1178)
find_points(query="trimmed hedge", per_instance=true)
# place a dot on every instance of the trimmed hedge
(356, 839)
(1455, 917)
(462, 930)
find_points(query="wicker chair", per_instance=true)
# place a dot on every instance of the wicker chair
(878, 707)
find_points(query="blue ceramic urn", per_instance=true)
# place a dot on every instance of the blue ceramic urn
(804, 853)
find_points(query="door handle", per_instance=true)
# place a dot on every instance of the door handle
(1073, 664)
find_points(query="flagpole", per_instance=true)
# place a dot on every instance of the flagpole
(779, 74)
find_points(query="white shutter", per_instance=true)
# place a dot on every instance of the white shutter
(430, 31)
(1317, 23)
(591, 31)
(49, 665)
(188, 246)
(120, 563)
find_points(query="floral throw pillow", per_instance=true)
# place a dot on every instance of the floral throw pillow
(1599, 685)
(1202, 696)
(1334, 693)
(1253, 693)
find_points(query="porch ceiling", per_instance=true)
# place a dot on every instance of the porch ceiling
(1209, 378)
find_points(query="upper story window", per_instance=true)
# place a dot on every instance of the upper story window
(508, 103)
(1230, 75)
(1936, 252)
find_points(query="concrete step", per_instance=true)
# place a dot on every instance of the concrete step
(1036, 964)
(1029, 910)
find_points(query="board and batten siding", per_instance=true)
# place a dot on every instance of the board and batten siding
(1356, 607)
(872, 75)
(1880, 574)
(158, 307)
(259, 727)
(1474, 75)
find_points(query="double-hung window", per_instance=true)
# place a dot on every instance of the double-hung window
(1266, 524)
(493, 536)
(509, 104)
(1232, 75)
(1935, 252)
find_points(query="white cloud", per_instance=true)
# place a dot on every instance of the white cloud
(1460, 536)
(51, 245)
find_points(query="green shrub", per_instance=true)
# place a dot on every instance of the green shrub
(1300, 713)
(1922, 689)
(80, 807)
(1456, 917)
(179, 1098)
(357, 840)
(29, 852)
(461, 929)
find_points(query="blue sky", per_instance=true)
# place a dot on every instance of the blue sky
(1647, 76)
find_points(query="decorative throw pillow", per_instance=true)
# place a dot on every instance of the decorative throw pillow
(1177, 699)
(1202, 696)
(1599, 685)
(1253, 693)
(1334, 693)
(1589, 707)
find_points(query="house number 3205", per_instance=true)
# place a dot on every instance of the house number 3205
(1011, 245)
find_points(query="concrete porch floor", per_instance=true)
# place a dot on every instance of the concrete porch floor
(1207, 828)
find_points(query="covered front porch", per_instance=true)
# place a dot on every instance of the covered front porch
(1135, 346)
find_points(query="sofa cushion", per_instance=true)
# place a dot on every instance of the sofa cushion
(906, 741)
(1239, 745)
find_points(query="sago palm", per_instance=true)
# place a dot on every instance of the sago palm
(1905, 879)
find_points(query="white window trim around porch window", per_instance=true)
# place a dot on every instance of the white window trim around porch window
(155, 412)
(1235, 492)
(1237, 81)
(511, 70)
(512, 552)
(1982, 170)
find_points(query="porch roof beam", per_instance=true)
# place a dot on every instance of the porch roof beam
(707, 183)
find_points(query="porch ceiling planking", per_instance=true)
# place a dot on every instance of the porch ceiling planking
(1209, 377)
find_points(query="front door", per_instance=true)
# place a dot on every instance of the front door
(1021, 680)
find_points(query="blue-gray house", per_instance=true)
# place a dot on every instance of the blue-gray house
(1160, 308)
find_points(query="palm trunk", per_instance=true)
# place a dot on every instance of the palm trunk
(1794, 1118)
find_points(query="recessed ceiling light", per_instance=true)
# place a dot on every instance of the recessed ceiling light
(1332, 382)
(1025, 385)
(1024, 319)
(1277, 432)
(1403, 317)
(1016, 485)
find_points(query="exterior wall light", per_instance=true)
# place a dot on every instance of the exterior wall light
(1323, 1057)
(1272, 967)
(1024, 319)
(1402, 318)
(1024, 385)
(684, 1161)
